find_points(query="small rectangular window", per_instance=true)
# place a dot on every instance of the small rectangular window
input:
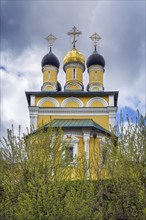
(69, 153)
(74, 73)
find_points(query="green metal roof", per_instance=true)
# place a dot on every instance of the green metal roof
(77, 123)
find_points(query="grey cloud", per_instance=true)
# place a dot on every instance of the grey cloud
(121, 24)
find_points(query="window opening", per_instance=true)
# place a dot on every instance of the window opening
(74, 73)
(95, 74)
(69, 153)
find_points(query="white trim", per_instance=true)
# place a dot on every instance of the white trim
(67, 87)
(76, 132)
(74, 111)
(73, 142)
(49, 99)
(33, 122)
(32, 100)
(50, 67)
(74, 65)
(86, 139)
(112, 120)
(53, 85)
(98, 134)
(95, 68)
(33, 114)
(111, 100)
(92, 86)
(72, 99)
(97, 99)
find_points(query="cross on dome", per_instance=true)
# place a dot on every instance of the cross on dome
(74, 32)
(51, 38)
(95, 38)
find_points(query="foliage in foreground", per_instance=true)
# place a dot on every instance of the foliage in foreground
(31, 184)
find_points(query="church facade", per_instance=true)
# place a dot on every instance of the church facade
(85, 115)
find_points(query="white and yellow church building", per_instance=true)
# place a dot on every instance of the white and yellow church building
(86, 115)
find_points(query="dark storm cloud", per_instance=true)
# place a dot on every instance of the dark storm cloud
(26, 23)
(120, 23)
(127, 37)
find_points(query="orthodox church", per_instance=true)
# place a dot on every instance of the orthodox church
(85, 115)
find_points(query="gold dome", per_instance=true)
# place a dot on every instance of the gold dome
(74, 56)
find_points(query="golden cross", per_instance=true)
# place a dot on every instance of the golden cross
(74, 32)
(95, 38)
(51, 38)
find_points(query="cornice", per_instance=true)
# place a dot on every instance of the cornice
(74, 65)
(95, 68)
(73, 111)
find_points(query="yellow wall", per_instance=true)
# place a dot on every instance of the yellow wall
(70, 104)
(94, 157)
(93, 79)
(78, 172)
(48, 88)
(53, 76)
(97, 104)
(79, 75)
(48, 104)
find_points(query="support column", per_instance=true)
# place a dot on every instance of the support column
(33, 113)
(86, 139)
(112, 117)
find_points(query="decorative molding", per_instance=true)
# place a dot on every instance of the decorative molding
(73, 142)
(92, 86)
(86, 139)
(97, 99)
(98, 134)
(72, 99)
(73, 111)
(74, 65)
(48, 99)
(44, 88)
(95, 68)
(53, 85)
(112, 121)
(33, 114)
(50, 67)
(111, 100)
(33, 110)
(32, 100)
(75, 132)
(112, 109)
(67, 86)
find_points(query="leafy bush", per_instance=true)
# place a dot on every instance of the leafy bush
(35, 182)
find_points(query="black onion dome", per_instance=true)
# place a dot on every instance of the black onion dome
(50, 59)
(95, 59)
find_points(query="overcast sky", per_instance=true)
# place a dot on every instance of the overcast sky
(25, 24)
